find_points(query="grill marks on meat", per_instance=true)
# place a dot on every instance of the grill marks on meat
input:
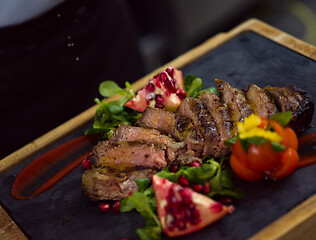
(106, 184)
(164, 121)
(291, 98)
(235, 100)
(204, 125)
(175, 152)
(127, 155)
(220, 115)
(260, 102)
(200, 127)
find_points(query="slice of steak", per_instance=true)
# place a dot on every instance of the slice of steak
(203, 123)
(125, 133)
(222, 120)
(128, 155)
(260, 102)
(164, 121)
(235, 99)
(292, 98)
(105, 184)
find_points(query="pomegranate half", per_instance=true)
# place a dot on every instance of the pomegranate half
(182, 211)
(165, 90)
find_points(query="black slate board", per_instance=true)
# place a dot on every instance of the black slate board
(64, 213)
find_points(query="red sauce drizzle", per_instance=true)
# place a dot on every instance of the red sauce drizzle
(32, 172)
(307, 150)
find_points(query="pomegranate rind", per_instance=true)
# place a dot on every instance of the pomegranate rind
(171, 100)
(210, 210)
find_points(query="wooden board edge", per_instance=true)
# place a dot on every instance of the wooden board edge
(282, 38)
(8, 229)
(297, 223)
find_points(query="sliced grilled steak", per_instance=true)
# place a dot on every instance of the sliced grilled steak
(194, 109)
(164, 121)
(125, 133)
(128, 155)
(220, 115)
(105, 184)
(291, 98)
(176, 152)
(235, 100)
(260, 102)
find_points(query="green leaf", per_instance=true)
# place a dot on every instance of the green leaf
(108, 88)
(212, 90)
(244, 144)
(256, 140)
(149, 233)
(142, 205)
(230, 141)
(126, 205)
(195, 88)
(282, 118)
(187, 81)
(115, 107)
(277, 147)
(142, 183)
(192, 85)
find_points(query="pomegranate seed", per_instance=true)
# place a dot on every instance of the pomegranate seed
(216, 207)
(169, 86)
(181, 93)
(197, 187)
(159, 98)
(162, 76)
(150, 87)
(170, 71)
(226, 200)
(195, 214)
(150, 96)
(183, 181)
(194, 164)
(159, 105)
(105, 207)
(86, 164)
(206, 188)
(116, 206)
(186, 196)
(173, 169)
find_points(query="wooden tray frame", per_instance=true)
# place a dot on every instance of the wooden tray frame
(297, 223)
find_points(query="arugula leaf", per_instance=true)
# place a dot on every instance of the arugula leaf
(282, 118)
(143, 204)
(142, 184)
(149, 233)
(110, 115)
(192, 85)
(211, 89)
(212, 172)
(109, 88)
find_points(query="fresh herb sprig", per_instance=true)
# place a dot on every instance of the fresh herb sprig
(213, 172)
(109, 115)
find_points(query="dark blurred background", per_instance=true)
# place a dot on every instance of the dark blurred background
(54, 53)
